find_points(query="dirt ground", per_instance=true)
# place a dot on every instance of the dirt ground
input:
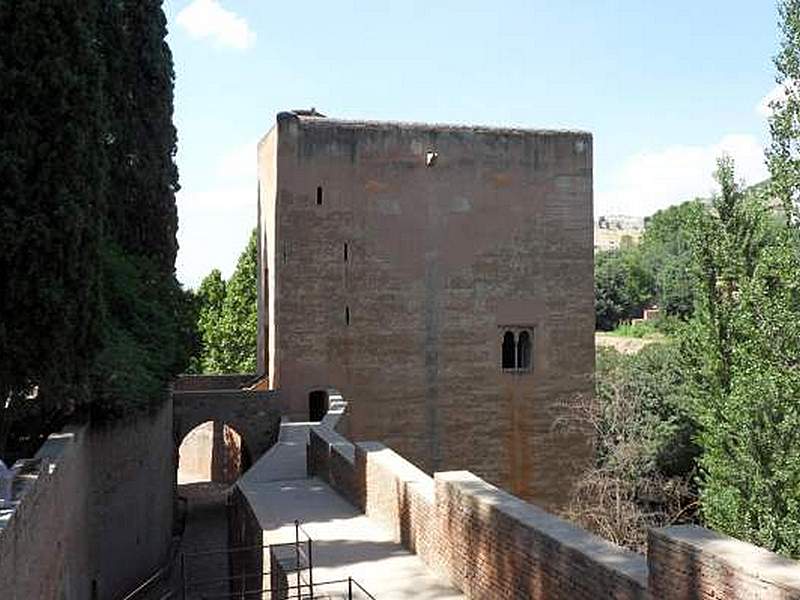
(623, 345)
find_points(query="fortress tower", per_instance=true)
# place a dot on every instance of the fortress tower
(440, 278)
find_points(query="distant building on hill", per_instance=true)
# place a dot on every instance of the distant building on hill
(616, 231)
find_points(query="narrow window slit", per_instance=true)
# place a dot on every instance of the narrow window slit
(345, 252)
(319, 195)
(347, 315)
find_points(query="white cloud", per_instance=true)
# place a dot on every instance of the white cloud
(653, 180)
(763, 108)
(776, 94)
(208, 19)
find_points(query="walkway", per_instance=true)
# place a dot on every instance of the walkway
(346, 542)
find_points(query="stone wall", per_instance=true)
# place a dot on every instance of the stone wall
(693, 563)
(246, 559)
(132, 500)
(94, 514)
(254, 415)
(393, 281)
(490, 544)
(189, 383)
(43, 550)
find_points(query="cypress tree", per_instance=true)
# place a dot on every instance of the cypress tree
(52, 200)
(144, 178)
(90, 310)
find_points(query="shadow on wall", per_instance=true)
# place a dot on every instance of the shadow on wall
(212, 451)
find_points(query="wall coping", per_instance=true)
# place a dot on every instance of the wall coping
(33, 473)
(405, 471)
(744, 557)
(337, 442)
(594, 548)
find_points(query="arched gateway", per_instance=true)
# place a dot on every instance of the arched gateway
(254, 414)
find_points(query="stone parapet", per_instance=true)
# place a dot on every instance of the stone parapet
(490, 544)
(695, 563)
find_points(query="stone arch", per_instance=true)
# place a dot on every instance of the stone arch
(212, 451)
(254, 415)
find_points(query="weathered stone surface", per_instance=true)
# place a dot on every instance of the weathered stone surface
(490, 544)
(693, 563)
(394, 281)
(254, 415)
(94, 513)
(485, 541)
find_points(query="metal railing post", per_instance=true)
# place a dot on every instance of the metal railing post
(310, 569)
(349, 588)
(297, 554)
(183, 576)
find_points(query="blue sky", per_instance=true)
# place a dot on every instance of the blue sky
(665, 87)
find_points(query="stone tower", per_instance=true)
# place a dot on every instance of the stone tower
(440, 278)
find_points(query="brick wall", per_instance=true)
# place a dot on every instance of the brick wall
(695, 563)
(94, 513)
(190, 383)
(42, 554)
(490, 544)
(493, 545)
(396, 284)
(246, 559)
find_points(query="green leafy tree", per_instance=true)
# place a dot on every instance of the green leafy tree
(623, 286)
(91, 312)
(240, 313)
(228, 317)
(142, 138)
(667, 254)
(210, 299)
(783, 156)
(742, 352)
(146, 311)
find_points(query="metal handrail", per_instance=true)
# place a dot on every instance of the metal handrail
(349, 581)
(157, 574)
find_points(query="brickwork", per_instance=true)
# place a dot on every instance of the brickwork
(254, 415)
(95, 512)
(491, 544)
(692, 563)
(42, 553)
(246, 565)
(392, 279)
(189, 383)
(496, 546)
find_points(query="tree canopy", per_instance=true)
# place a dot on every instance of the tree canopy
(87, 208)
(228, 317)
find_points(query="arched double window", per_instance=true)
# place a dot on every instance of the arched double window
(517, 350)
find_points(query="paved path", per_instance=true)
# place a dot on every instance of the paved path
(206, 532)
(346, 542)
